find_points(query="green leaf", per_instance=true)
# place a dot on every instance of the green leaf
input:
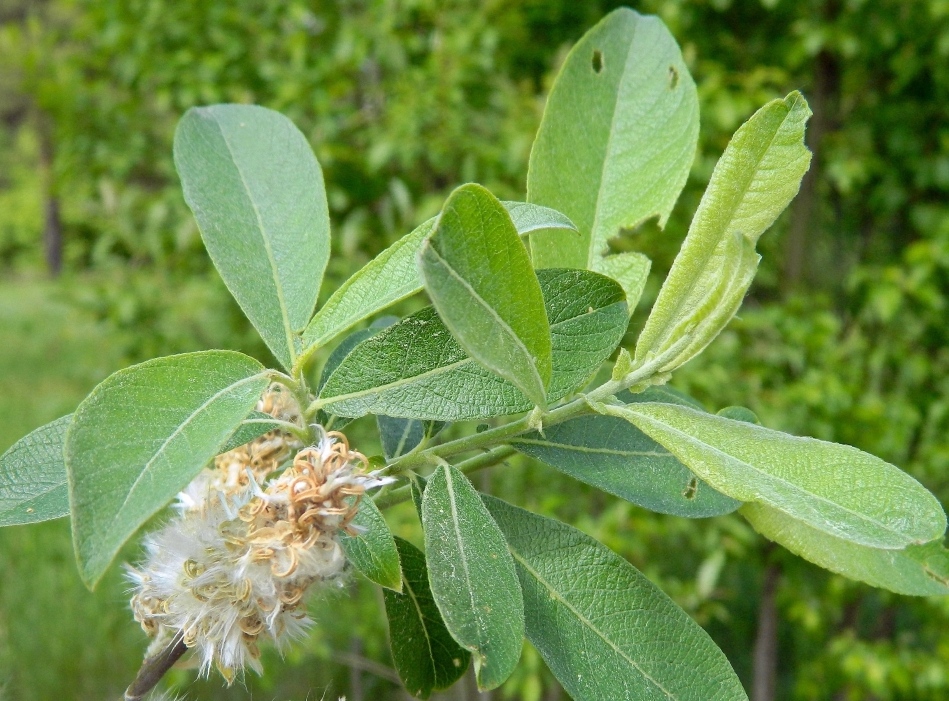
(617, 138)
(393, 275)
(33, 476)
(918, 570)
(142, 435)
(480, 279)
(425, 655)
(256, 424)
(755, 179)
(739, 413)
(400, 436)
(834, 488)
(346, 346)
(664, 394)
(613, 455)
(415, 369)
(606, 631)
(472, 576)
(257, 193)
(417, 486)
(630, 270)
(373, 551)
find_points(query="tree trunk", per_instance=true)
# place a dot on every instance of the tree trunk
(766, 642)
(52, 222)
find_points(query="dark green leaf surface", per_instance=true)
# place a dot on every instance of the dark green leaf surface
(480, 279)
(425, 655)
(417, 484)
(373, 551)
(142, 435)
(253, 426)
(399, 436)
(617, 138)
(755, 179)
(472, 575)
(918, 570)
(257, 193)
(33, 476)
(606, 631)
(834, 488)
(416, 369)
(393, 274)
(613, 455)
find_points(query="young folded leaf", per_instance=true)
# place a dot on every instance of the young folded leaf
(480, 279)
(142, 435)
(415, 369)
(917, 570)
(606, 631)
(256, 190)
(393, 275)
(373, 551)
(834, 488)
(753, 182)
(33, 476)
(617, 138)
(472, 576)
(425, 655)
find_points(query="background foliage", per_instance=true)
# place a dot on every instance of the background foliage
(843, 335)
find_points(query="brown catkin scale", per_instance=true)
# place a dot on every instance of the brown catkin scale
(237, 563)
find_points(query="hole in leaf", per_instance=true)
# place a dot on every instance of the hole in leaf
(691, 489)
(673, 77)
(597, 61)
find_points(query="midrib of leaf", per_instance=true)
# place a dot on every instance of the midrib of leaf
(174, 435)
(596, 451)
(464, 563)
(731, 217)
(421, 617)
(395, 384)
(287, 326)
(791, 485)
(556, 596)
(400, 446)
(501, 322)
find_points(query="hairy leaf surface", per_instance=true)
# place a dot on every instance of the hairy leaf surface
(755, 179)
(142, 435)
(617, 138)
(606, 631)
(33, 476)
(373, 551)
(472, 575)
(415, 369)
(256, 190)
(425, 655)
(835, 488)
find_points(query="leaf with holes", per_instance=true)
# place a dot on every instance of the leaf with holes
(917, 570)
(373, 551)
(755, 179)
(472, 576)
(617, 138)
(393, 275)
(425, 655)
(415, 369)
(479, 277)
(606, 631)
(257, 193)
(834, 488)
(142, 435)
(33, 476)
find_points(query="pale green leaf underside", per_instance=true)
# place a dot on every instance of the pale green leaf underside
(835, 488)
(615, 146)
(753, 182)
(256, 191)
(373, 551)
(918, 570)
(415, 369)
(425, 655)
(393, 275)
(472, 575)
(606, 631)
(33, 476)
(480, 279)
(613, 455)
(630, 270)
(142, 435)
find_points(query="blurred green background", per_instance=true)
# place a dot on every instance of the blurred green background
(843, 337)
